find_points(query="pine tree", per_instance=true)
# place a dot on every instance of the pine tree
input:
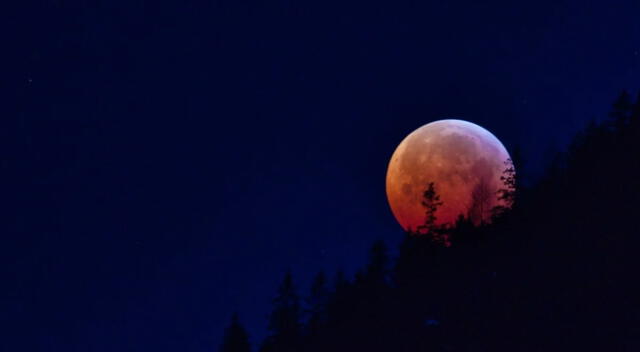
(506, 194)
(480, 202)
(508, 178)
(317, 303)
(377, 269)
(635, 118)
(235, 338)
(635, 111)
(621, 110)
(431, 202)
(284, 322)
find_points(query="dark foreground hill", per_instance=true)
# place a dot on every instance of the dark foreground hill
(559, 272)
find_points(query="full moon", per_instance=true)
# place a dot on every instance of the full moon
(462, 160)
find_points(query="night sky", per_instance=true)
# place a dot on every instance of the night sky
(163, 165)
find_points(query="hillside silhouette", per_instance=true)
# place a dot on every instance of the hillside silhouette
(556, 272)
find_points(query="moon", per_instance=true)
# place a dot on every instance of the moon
(460, 158)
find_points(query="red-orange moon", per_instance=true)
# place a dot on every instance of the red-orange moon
(456, 156)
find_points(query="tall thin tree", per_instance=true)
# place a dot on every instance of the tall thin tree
(235, 338)
(284, 323)
(481, 199)
(317, 303)
(506, 195)
(431, 202)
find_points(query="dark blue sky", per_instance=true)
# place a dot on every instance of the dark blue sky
(163, 165)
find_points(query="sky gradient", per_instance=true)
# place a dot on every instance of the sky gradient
(165, 164)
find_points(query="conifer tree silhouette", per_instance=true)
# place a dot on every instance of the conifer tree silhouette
(377, 268)
(470, 296)
(621, 110)
(506, 194)
(481, 199)
(235, 338)
(317, 304)
(431, 202)
(285, 327)
(508, 178)
(635, 110)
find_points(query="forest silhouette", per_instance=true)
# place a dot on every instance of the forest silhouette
(554, 270)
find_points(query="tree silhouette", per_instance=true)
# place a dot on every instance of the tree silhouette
(284, 323)
(635, 110)
(317, 304)
(621, 110)
(483, 293)
(377, 268)
(235, 338)
(481, 199)
(431, 202)
(508, 178)
(506, 194)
